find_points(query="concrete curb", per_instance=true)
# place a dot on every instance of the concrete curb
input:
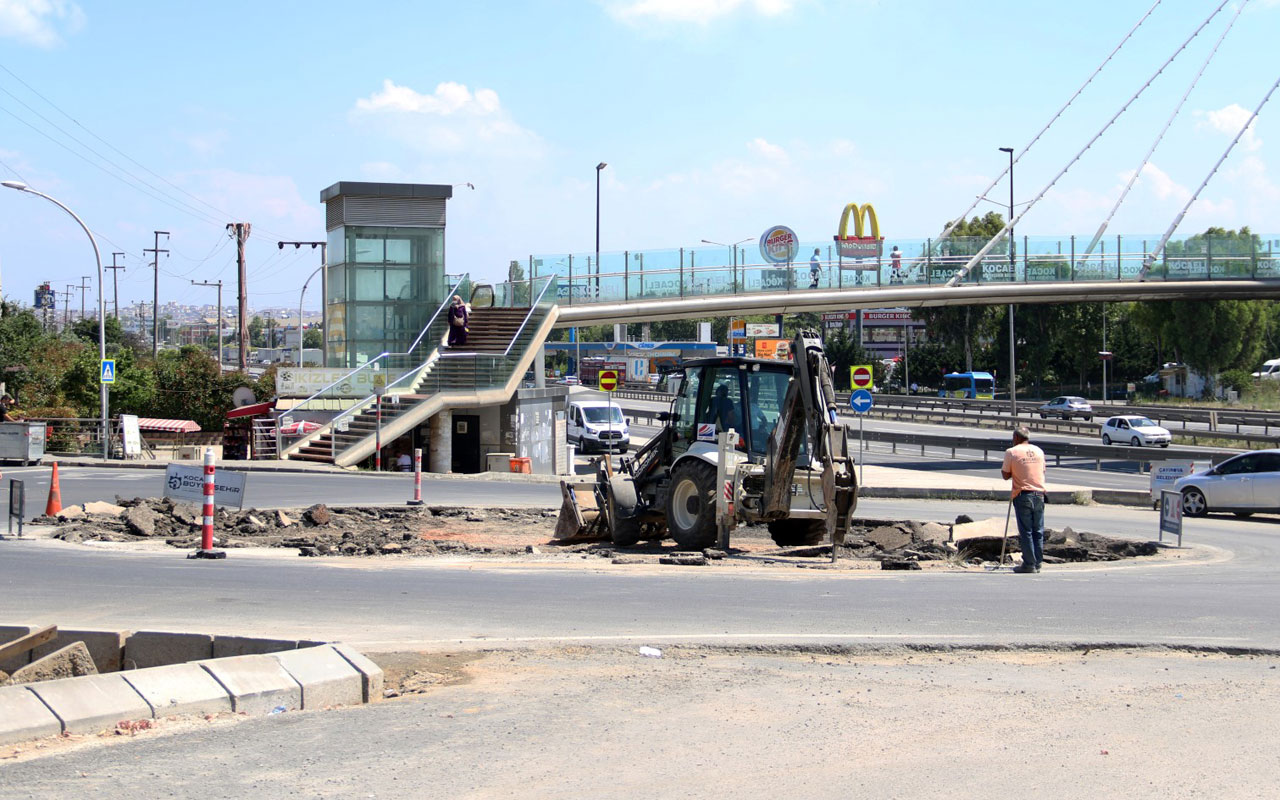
(1119, 497)
(274, 673)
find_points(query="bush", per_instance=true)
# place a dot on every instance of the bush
(1237, 379)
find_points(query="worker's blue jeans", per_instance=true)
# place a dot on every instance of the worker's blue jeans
(1028, 507)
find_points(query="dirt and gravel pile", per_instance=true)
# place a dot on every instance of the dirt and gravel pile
(527, 533)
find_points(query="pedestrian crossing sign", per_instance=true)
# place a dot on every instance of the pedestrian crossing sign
(108, 372)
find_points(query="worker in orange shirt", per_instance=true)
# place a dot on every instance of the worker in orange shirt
(1024, 465)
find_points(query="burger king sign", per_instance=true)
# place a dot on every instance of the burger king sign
(779, 245)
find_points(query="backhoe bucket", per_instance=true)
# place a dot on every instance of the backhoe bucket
(580, 518)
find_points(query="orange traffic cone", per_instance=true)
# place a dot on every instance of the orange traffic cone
(54, 507)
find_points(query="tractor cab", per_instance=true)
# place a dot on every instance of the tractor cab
(716, 394)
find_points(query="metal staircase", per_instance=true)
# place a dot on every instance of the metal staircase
(501, 346)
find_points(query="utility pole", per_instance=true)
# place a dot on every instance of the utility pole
(66, 306)
(241, 233)
(219, 285)
(84, 285)
(155, 298)
(115, 284)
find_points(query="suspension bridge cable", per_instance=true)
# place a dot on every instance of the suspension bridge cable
(1147, 159)
(1151, 257)
(951, 226)
(964, 271)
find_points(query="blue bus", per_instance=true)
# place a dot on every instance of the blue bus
(973, 385)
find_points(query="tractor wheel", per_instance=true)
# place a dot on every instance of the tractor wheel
(626, 528)
(797, 532)
(691, 505)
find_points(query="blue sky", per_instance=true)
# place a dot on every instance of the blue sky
(717, 118)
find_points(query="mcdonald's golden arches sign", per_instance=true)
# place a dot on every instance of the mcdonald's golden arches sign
(860, 245)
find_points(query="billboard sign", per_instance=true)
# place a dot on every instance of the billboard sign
(776, 349)
(756, 330)
(779, 245)
(865, 242)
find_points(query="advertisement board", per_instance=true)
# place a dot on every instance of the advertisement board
(187, 484)
(131, 435)
(776, 349)
(737, 329)
(779, 245)
(756, 330)
(860, 244)
(306, 381)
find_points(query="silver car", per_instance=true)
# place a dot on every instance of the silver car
(1067, 407)
(1245, 484)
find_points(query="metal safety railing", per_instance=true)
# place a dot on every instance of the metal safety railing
(706, 271)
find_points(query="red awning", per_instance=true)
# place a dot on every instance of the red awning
(174, 425)
(251, 411)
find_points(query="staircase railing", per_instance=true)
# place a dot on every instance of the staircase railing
(487, 370)
(386, 367)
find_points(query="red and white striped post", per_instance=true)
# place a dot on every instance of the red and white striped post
(377, 437)
(206, 532)
(417, 477)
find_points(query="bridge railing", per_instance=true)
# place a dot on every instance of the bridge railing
(704, 271)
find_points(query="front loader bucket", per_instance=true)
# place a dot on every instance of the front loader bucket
(580, 519)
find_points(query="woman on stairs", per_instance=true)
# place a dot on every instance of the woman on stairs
(458, 319)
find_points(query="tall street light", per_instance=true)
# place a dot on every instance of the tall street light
(102, 317)
(1013, 380)
(599, 167)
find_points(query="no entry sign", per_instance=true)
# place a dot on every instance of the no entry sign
(608, 380)
(860, 376)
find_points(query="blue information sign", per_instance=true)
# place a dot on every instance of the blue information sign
(861, 401)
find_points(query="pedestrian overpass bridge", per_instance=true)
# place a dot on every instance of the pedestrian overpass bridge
(428, 381)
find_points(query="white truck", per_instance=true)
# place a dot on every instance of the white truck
(1270, 370)
(597, 426)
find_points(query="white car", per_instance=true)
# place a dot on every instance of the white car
(597, 425)
(1245, 484)
(1135, 431)
(1067, 407)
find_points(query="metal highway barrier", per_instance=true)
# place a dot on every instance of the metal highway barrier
(1213, 417)
(1057, 450)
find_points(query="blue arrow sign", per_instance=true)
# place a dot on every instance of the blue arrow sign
(861, 401)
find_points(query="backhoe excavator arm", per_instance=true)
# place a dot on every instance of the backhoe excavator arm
(809, 414)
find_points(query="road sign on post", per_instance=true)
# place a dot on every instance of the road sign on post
(107, 371)
(861, 401)
(860, 376)
(1171, 515)
(608, 380)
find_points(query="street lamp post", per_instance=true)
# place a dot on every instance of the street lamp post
(733, 257)
(324, 290)
(599, 167)
(102, 318)
(1013, 380)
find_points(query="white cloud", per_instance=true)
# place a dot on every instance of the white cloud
(1229, 120)
(698, 12)
(452, 120)
(764, 149)
(39, 22)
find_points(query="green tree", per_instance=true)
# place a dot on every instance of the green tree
(257, 336)
(964, 328)
(20, 336)
(190, 385)
(312, 338)
(1216, 335)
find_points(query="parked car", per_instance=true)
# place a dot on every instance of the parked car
(597, 425)
(1134, 430)
(1244, 485)
(1067, 407)
(1270, 370)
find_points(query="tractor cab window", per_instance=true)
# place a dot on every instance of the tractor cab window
(724, 400)
(766, 389)
(685, 408)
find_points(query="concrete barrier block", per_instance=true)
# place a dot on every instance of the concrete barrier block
(370, 673)
(257, 684)
(228, 646)
(105, 647)
(179, 689)
(327, 678)
(92, 703)
(23, 717)
(158, 649)
(7, 634)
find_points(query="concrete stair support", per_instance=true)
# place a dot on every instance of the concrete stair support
(92, 703)
(257, 684)
(492, 330)
(179, 689)
(23, 716)
(327, 679)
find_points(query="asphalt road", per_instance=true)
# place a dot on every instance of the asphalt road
(439, 603)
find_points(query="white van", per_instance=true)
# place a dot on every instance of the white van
(597, 426)
(1270, 370)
